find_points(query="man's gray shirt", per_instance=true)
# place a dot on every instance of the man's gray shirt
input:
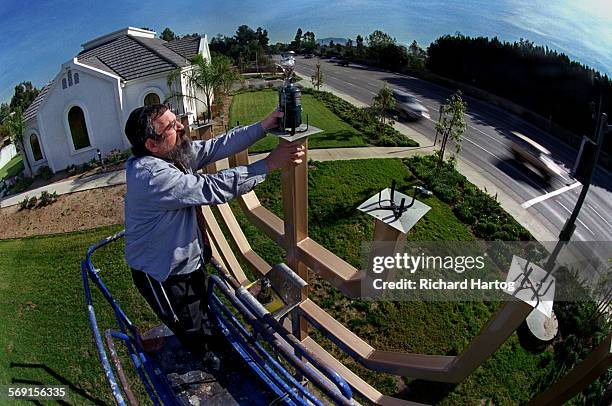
(161, 228)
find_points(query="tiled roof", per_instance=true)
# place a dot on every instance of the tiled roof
(157, 45)
(187, 46)
(134, 57)
(127, 58)
(33, 108)
(131, 57)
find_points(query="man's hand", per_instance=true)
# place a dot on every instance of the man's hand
(285, 154)
(272, 120)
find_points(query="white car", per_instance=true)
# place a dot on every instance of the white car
(408, 105)
(526, 150)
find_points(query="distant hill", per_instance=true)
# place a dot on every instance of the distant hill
(325, 41)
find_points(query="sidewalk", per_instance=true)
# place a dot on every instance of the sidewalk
(118, 177)
(69, 186)
(531, 222)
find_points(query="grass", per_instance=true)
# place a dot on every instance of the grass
(250, 107)
(46, 337)
(12, 167)
(336, 188)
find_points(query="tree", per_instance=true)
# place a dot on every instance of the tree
(451, 124)
(297, 42)
(14, 126)
(416, 56)
(5, 110)
(245, 35)
(383, 103)
(212, 78)
(168, 35)
(223, 45)
(383, 51)
(379, 39)
(262, 38)
(317, 78)
(359, 47)
(308, 42)
(24, 95)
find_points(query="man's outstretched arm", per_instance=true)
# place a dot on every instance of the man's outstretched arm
(233, 141)
(166, 187)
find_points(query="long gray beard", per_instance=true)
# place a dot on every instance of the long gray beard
(182, 154)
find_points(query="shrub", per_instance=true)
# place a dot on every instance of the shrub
(472, 206)
(47, 198)
(363, 120)
(32, 202)
(20, 185)
(24, 203)
(115, 157)
(45, 172)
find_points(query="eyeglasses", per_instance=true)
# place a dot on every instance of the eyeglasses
(171, 126)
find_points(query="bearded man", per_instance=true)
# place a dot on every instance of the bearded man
(163, 243)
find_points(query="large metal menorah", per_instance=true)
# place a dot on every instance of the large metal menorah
(303, 253)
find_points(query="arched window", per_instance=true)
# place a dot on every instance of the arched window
(151, 98)
(76, 78)
(36, 151)
(69, 78)
(64, 83)
(78, 128)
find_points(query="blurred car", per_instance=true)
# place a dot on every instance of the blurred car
(526, 150)
(343, 62)
(407, 104)
(308, 56)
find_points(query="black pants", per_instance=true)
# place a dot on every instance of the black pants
(181, 305)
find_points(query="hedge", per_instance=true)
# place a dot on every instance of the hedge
(481, 212)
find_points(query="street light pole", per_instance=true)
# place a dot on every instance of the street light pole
(569, 227)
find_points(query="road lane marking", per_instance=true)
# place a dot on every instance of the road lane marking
(580, 221)
(543, 197)
(599, 215)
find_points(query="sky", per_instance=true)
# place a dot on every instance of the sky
(38, 36)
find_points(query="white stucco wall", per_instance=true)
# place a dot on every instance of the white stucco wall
(97, 96)
(31, 127)
(106, 101)
(135, 91)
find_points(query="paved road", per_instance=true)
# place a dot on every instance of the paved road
(485, 148)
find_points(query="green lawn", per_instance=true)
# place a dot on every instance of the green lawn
(12, 167)
(336, 188)
(46, 337)
(250, 107)
(45, 334)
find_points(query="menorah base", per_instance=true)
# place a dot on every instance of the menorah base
(300, 132)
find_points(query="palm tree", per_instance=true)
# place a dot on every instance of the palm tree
(14, 124)
(212, 78)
